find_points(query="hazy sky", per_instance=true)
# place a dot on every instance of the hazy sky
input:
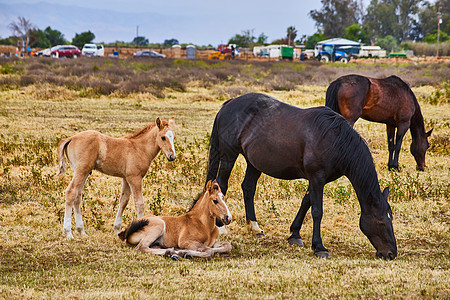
(271, 17)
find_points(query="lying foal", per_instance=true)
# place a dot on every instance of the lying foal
(192, 234)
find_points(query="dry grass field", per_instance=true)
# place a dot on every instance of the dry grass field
(42, 101)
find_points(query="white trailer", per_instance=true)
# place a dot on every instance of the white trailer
(372, 51)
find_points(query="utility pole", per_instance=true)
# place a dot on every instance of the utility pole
(439, 15)
(137, 36)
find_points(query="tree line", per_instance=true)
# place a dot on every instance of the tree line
(387, 23)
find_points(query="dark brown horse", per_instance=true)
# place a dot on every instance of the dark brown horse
(287, 142)
(390, 101)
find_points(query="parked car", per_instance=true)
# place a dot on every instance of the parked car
(65, 51)
(93, 50)
(44, 52)
(148, 53)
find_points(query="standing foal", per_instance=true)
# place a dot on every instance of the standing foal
(128, 157)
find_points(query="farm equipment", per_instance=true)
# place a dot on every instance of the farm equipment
(336, 50)
(225, 52)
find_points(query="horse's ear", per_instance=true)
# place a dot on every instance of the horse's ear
(429, 132)
(172, 122)
(209, 186)
(158, 122)
(386, 193)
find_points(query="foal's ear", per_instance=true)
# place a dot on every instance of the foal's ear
(158, 122)
(429, 132)
(209, 186)
(172, 122)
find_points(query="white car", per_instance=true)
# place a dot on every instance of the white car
(93, 50)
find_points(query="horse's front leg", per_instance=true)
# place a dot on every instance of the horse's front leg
(390, 130)
(401, 131)
(123, 202)
(248, 188)
(295, 238)
(135, 183)
(222, 179)
(221, 247)
(316, 198)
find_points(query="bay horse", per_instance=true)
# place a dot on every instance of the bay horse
(128, 157)
(388, 100)
(192, 234)
(287, 142)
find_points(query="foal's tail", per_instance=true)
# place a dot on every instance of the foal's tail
(62, 151)
(135, 226)
(331, 99)
(214, 154)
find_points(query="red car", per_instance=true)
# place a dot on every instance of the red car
(65, 51)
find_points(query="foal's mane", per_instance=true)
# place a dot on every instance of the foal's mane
(349, 150)
(196, 199)
(145, 129)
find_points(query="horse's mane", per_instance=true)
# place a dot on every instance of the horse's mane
(349, 150)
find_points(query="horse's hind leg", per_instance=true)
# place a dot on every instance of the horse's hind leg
(124, 198)
(295, 238)
(390, 130)
(135, 183)
(73, 200)
(248, 188)
(153, 231)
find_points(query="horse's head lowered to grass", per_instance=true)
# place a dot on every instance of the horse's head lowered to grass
(376, 223)
(165, 138)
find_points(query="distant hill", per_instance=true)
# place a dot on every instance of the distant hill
(108, 25)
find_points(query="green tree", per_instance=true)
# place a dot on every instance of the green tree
(335, 16)
(389, 43)
(140, 41)
(38, 39)
(8, 41)
(244, 40)
(312, 40)
(432, 38)
(170, 43)
(262, 39)
(356, 32)
(291, 34)
(391, 17)
(54, 36)
(428, 18)
(83, 38)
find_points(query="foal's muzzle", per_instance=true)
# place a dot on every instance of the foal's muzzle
(171, 157)
(226, 220)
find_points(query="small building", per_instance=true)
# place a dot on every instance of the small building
(190, 52)
(274, 51)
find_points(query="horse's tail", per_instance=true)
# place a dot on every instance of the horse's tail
(214, 153)
(331, 99)
(62, 151)
(135, 226)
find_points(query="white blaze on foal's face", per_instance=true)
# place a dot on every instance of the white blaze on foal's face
(228, 211)
(171, 136)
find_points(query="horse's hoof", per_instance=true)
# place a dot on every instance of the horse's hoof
(322, 254)
(261, 234)
(295, 241)
(188, 256)
(175, 257)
